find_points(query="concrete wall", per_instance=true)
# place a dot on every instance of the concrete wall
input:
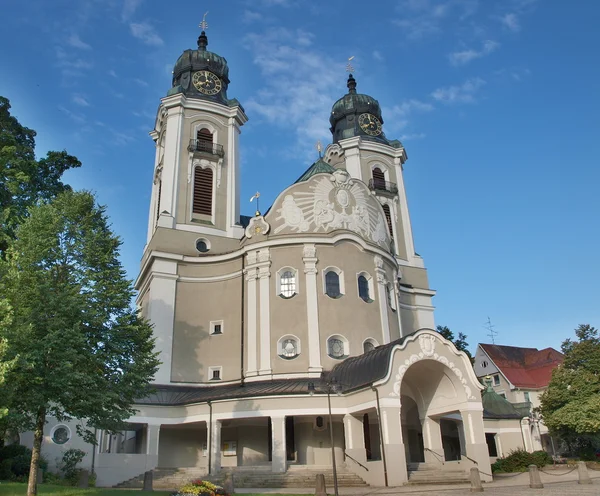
(182, 446)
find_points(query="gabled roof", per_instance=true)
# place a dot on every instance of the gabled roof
(320, 166)
(524, 367)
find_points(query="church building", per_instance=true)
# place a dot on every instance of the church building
(297, 338)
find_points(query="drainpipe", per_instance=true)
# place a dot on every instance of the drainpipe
(385, 474)
(94, 450)
(209, 435)
(242, 326)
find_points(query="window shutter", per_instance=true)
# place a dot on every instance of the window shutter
(388, 217)
(204, 135)
(378, 178)
(203, 186)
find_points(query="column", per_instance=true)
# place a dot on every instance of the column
(161, 312)
(214, 441)
(312, 309)
(264, 274)
(152, 442)
(526, 433)
(382, 297)
(476, 446)
(392, 443)
(279, 451)
(432, 439)
(252, 337)
(355, 440)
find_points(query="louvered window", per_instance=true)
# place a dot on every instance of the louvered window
(388, 218)
(378, 178)
(203, 191)
(204, 135)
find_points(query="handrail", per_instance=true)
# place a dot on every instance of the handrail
(469, 458)
(441, 457)
(356, 461)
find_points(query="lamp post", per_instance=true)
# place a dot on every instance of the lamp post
(330, 387)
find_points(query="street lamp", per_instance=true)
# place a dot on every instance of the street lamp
(329, 387)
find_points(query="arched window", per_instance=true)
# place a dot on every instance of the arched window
(287, 284)
(369, 345)
(363, 288)
(203, 191)
(378, 178)
(388, 218)
(204, 140)
(337, 347)
(332, 284)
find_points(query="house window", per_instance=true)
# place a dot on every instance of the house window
(332, 284)
(215, 373)
(60, 434)
(287, 283)
(203, 191)
(337, 347)
(363, 288)
(388, 218)
(369, 345)
(319, 424)
(378, 178)
(496, 380)
(204, 140)
(490, 439)
(484, 364)
(288, 347)
(502, 394)
(526, 396)
(216, 327)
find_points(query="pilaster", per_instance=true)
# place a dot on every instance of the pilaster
(264, 273)
(393, 446)
(476, 447)
(381, 279)
(251, 302)
(170, 174)
(215, 447)
(432, 440)
(312, 310)
(278, 447)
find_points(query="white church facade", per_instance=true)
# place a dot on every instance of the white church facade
(288, 331)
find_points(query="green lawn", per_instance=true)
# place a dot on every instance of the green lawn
(16, 489)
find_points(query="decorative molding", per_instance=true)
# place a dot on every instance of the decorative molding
(251, 258)
(309, 251)
(257, 226)
(264, 255)
(251, 274)
(427, 344)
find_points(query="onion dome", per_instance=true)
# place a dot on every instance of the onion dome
(202, 74)
(356, 114)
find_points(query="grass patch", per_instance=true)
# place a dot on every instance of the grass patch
(17, 489)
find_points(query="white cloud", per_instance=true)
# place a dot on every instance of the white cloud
(465, 56)
(77, 117)
(250, 16)
(141, 82)
(80, 100)
(145, 32)
(129, 8)
(464, 93)
(511, 21)
(396, 117)
(112, 73)
(300, 83)
(377, 55)
(75, 41)
(412, 136)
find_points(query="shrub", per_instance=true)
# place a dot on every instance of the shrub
(17, 459)
(13, 450)
(519, 461)
(70, 459)
(5, 470)
(198, 487)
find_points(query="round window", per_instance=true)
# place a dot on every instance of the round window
(61, 434)
(336, 348)
(202, 245)
(289, 348)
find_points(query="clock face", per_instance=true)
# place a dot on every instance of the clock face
(206, 82)
(369, 124)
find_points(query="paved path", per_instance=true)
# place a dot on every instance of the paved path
(559, 482)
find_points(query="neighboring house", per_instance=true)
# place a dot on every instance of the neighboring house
(520, 375)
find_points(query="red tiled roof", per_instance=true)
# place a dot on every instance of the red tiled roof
(524, 367)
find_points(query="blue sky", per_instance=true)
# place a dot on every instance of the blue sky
(496, 102)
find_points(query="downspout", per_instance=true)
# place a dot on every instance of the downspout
(209, 435)
(385, 474)
(94, 449)
(243, 296)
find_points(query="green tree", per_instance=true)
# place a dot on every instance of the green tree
(81, 350)
(570, 407)
(24, 180)
(460, 342)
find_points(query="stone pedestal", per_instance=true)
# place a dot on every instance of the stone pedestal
(534, 478)
(147, 481)
(584, 477)
(320, 489)
(476, 486)
(84, 479)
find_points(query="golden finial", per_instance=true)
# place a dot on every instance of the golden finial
(256, 196)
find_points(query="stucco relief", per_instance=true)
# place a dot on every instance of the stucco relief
(334, 202)
(257, 226)
(427, 345)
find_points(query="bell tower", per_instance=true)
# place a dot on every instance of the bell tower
(362, 148)
(195, 193)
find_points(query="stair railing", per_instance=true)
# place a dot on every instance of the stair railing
(469, 458)
(356, 461)
(440, 457)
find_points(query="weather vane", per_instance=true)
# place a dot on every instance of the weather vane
(204, 25)
(257, 196)
(349, 67)
(319, 147)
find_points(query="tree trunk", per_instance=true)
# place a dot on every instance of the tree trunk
(38, 436)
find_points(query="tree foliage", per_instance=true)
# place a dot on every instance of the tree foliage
(24, 180)
(79, 349)
(460, 342)
(570, 406)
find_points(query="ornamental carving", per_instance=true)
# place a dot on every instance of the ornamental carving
(334, 202)
(309, 251)
(258, 226)
(427, 344)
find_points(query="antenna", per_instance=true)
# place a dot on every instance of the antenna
(204, 25)
(349, 67)
(492, 333)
